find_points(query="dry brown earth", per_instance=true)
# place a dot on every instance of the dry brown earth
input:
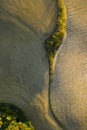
(24, 70)
(69, 86)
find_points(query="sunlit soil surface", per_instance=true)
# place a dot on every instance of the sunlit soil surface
(24, 69)
(69, 85)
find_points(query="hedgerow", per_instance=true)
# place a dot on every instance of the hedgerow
(54, 41)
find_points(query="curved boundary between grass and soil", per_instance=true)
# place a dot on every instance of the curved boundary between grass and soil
(52, 45)
(54, 41)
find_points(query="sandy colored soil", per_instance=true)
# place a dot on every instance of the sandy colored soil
(24, 69)
(69, 86)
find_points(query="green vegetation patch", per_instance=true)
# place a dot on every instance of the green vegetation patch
(12, 118)
(54, 41)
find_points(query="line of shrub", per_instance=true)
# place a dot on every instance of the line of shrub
(12, 118)
(53, 42)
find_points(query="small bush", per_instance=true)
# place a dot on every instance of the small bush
(13, 125)
(12, 118)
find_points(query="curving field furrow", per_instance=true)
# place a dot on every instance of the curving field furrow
(24, 70)
(32, 13)
(69, 86)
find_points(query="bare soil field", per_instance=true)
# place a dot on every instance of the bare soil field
(24, 69)
(69, 84)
